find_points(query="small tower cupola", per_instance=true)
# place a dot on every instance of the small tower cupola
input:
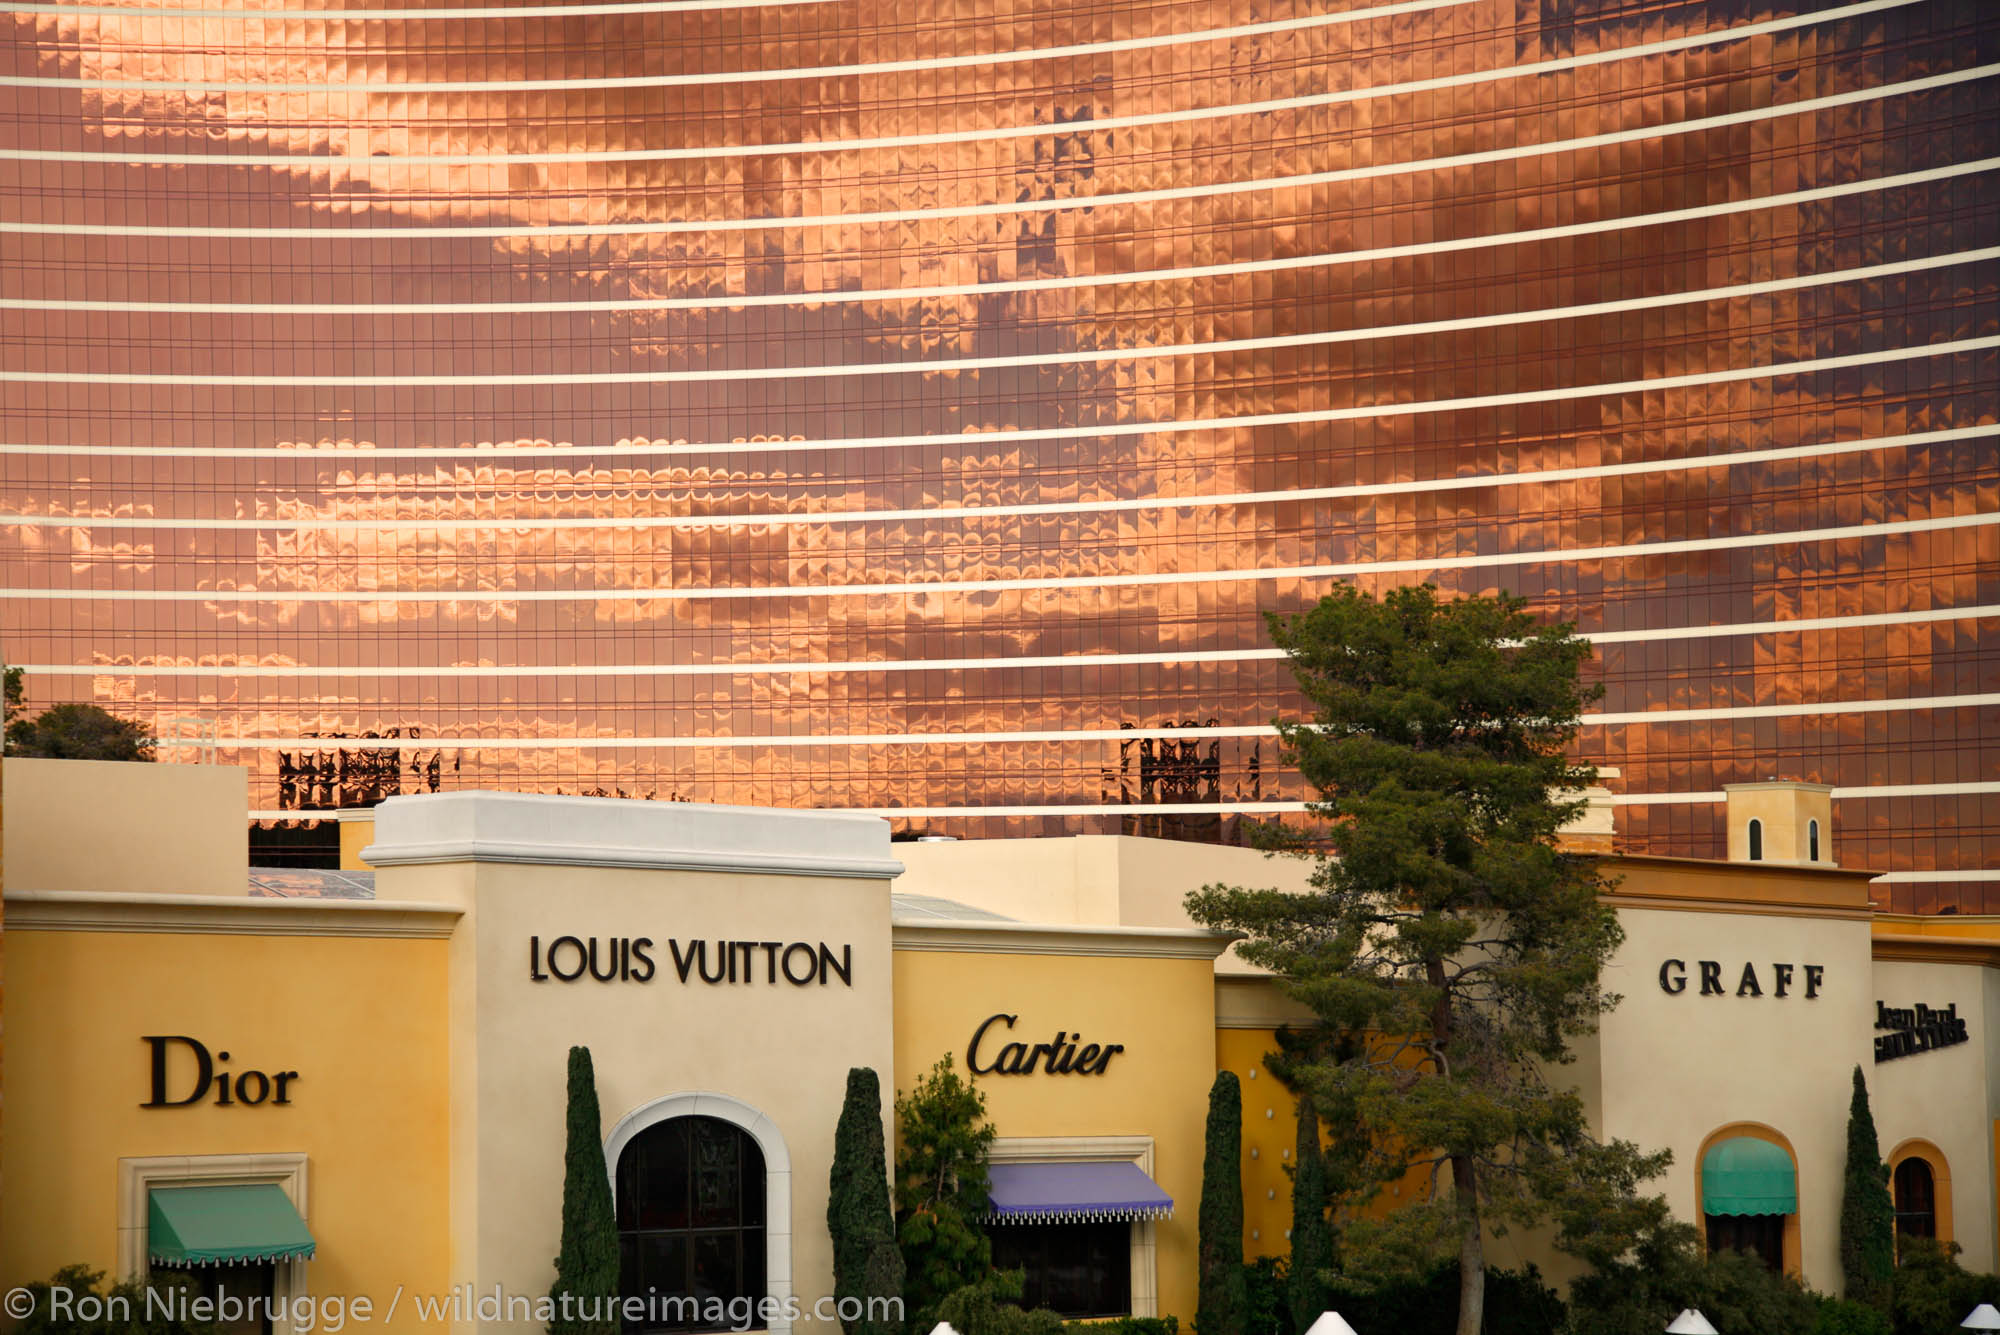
(1785, 821)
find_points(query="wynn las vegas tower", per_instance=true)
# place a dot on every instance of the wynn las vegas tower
(914, 407)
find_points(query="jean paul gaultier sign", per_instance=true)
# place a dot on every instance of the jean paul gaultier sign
(1914, 1029)
(639, 959)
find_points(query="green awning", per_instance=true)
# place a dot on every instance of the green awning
(1746, 1176)
(225, 1225)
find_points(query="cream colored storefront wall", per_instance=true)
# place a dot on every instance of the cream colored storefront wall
(1160, 1009)
(1678, 1066)
(519, 866)
(80, 825)
(1107, 880)
(1933, 1095)
(361, 1020)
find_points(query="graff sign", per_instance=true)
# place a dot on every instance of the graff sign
(1747, 983)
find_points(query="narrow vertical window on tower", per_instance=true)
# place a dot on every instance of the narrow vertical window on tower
(1756, 841)
(1812, 841)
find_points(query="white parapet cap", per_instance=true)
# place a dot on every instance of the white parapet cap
(981, 936)
(622, 832)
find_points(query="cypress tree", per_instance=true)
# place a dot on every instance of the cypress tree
(585, 1293)
(1867, 1214)
(1223, 1299)
(1312, 1232)
(867, 1267)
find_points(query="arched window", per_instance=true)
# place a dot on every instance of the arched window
(1916, 1198)
(1812, 841)
(691, 1197)
(1756, 840)
(1750, 1196)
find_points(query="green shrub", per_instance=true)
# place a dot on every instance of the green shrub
(1932, 1292)
(1126, 1325)
(1838, 1316)
(1638, 1295)
(1517, 1303)
(119, 1310)
(992, 1307)
(941, 1185)
(1266, 1293)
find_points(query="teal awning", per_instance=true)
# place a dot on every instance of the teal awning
(225, 1225)
(1746, 1176)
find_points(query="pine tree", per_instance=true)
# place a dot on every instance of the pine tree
(1222, 1304)
(1449, 938)
(1867, 1214)
(941, 1190)
(867, 1267)
(1312, 1232)
(585, 1293)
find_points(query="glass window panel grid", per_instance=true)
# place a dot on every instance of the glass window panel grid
(396, 508)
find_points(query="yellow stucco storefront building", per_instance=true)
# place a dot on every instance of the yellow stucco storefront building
(378, 1055)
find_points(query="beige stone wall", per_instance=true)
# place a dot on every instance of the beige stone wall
(520, 868)
(1103, 880)
(1676, 1068)
(1786, 809)
(1934, 1095)
(130, 828)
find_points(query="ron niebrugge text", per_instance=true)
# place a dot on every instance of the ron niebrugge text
(332, 1313)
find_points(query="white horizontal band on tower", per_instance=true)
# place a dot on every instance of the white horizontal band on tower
(998, 810)
(1796, 282)
(1012, 435)
(1040, 129)
(1204, 192)
(1091, 583)
(1072, 282)
(1026, 55)
(1955, 874)
(115, 12)
(932, 514)
(1526, 236)
(1165, 658)
(1038, 736)
(848, 370)
(1880, 790)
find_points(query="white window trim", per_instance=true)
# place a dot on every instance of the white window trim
(138, 1177)
(1137, 1150)
(777, 1178)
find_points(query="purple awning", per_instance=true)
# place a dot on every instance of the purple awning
(1074, 1193)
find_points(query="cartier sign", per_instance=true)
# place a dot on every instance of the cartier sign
(1065, 1054)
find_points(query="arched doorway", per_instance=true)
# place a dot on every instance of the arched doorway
(693, 1212)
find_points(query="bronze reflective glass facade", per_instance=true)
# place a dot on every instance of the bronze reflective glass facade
(724, 399)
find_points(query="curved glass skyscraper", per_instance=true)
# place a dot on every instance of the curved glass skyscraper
(914, 407)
